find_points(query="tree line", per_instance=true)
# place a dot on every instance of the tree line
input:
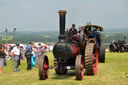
(53, 37)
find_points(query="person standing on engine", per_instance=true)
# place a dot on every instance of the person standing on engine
(80, 28)
(73, 30)
(16, 53)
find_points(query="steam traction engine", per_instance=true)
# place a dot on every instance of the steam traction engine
(119, 46)
(72, 52)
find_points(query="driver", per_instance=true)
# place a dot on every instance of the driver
(73, 30)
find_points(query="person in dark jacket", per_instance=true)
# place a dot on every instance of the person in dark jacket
(28, 54)
(73, 30)
(2, 58)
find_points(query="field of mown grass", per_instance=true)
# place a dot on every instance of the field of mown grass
(112, 72)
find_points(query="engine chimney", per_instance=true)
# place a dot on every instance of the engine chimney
(62, 16)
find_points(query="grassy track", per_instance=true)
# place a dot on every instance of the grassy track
(110, 73)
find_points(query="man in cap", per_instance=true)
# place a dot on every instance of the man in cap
(73, 30)
(16, 53)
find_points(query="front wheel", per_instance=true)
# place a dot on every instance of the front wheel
(79, 67)
(43, 67)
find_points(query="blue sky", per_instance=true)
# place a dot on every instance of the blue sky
(41, 15)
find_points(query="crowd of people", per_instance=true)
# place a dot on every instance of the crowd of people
(30, 52)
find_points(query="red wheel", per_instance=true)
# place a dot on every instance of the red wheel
(95, 60)
(43, 67)
(79, 67)
(91, 59)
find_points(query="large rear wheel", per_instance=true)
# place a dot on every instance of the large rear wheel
(79, 67)
(43, 67)
(91, 59)
(102, 52)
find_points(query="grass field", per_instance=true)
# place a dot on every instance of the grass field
(112, 72)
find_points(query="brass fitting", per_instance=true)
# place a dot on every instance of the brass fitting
(62, 12)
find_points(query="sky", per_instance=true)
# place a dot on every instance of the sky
(42, 15)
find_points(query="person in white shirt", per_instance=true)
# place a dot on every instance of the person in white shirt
(16, 53)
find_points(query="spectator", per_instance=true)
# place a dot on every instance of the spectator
(28, 54)
(16, 57)
(34, 55)
(2, 58)
(22, 52)
(39, 52)
(5, 50)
